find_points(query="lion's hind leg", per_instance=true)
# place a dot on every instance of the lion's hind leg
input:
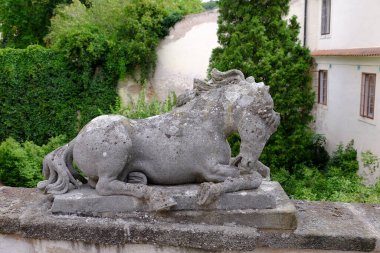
(219, 173)
(112, 186)
(156, 199)
(137, 178)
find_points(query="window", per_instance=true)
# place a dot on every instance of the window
(326, 11)
(322, 87)
(367, 99)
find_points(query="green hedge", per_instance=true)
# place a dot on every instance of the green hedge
(43, 96)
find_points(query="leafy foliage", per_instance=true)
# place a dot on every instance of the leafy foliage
(20, 164)
(43, 95)
(255, 39)
(26, 22)
(119, 35)
(143, 109)
(345, 158)
(371, 165)
(339, 182)
(210, 5)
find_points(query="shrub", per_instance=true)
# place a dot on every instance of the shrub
(255, 39)
(210, 5)
(338, 182)
(21, 164)
(345, 158)
(118, 35)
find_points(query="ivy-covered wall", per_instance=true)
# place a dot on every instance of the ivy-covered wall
(42, 95)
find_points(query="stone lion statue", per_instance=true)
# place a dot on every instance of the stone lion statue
(121, 156)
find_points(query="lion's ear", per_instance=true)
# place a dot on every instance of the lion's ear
(262, 88)
(250, 79)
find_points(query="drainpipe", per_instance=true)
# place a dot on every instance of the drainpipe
(304, 24)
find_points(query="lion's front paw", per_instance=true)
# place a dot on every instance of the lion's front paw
(159, 201)
(208, 193)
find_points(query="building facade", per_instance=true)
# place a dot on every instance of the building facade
(344, 39)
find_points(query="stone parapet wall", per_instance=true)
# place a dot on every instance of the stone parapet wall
(27, 225)
(17, 244)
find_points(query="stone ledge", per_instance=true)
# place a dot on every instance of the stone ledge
(321, 225)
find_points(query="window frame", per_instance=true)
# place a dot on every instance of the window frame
(322, 98)
(367, 98)
(326, 17)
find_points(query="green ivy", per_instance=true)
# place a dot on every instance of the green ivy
(43, 95)
(26, 22)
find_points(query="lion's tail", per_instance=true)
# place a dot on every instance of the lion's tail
(58, 171)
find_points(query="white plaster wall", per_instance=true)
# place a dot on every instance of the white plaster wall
(181, 56)
(297, 8)
(340, 120)
(185, 53)
(354, 23)
(313, 32)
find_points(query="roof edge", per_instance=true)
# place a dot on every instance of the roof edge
(370, 51)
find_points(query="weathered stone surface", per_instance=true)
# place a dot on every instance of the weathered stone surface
(18, 244)
(266, 207)
(13, 203)
(86, 200)
(327, 225)
(321, 225)
(282, 217)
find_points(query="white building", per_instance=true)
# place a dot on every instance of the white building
(344, 40)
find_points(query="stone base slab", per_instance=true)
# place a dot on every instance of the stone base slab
(266, 207)
(86, 200)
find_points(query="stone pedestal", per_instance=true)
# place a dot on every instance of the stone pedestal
(28, 225)
(266, 207)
